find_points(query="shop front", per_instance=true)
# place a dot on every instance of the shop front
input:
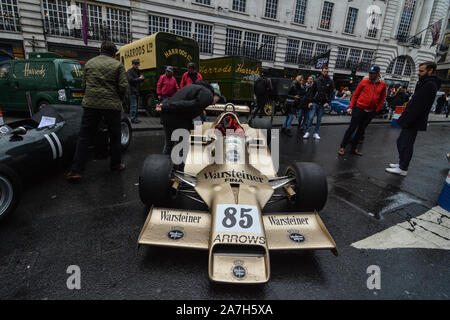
(10, 49)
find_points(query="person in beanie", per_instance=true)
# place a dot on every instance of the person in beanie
(303, 112)
(134, 83)
(186, 104)
(319, 96)
(167, 85)
(415, 116)
(294, 103)
(105, 85)
(191, 76)
(262, 89)
(367, 100)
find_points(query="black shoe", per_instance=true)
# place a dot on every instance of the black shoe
(283, 130)
(288, 132)
(136, 121)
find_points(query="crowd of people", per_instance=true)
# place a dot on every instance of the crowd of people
(106, 84)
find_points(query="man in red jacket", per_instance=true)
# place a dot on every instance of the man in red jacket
(167, 85)
(191, 76)
(366, 102)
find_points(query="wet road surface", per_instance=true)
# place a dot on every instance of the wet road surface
(95, 226)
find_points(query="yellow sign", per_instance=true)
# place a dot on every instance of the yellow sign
(177, 51)
(247, 71)
(27, 71)
(213, 70)
(143, 49)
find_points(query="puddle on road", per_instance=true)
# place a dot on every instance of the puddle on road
(373, 197)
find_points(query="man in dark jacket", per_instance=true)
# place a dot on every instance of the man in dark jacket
(134, 83)
(262, 89)
(319, 96)
(188, 103)
(415, 116)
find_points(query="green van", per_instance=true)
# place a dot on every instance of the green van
(47, 76)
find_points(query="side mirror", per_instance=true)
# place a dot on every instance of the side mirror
(19, 131)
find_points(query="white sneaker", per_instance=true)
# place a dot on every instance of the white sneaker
(394, 165)
(306, 136)
(316, 136)
(397, 170)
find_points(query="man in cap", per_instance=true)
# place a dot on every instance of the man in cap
(105, 85)
(188, 103)
(367, 100)
(191, 76)
(134, 83)
(262, 89)
(167, 85)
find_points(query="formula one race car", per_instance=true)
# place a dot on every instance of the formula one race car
(38, 145)
(229, 169)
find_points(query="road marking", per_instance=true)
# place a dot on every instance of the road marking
(52, 145)
(431, 230)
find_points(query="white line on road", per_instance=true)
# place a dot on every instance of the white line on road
(431, 230)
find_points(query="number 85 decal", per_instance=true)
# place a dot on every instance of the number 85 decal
(237, 218)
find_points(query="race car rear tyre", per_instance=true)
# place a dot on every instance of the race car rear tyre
(263, 123)
(155, 180)
(126, 133)
(10, 191)
(310, 185)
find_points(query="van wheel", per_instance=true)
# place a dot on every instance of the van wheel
(42, 104)
(10, 191)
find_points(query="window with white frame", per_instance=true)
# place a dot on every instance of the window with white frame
(292, 50)
(306, 52)
(375, 21)
(341, 60)
(207, 2)
(55, 17)
(366, 60)
(353, 58)
(351, 20)
(203, 35)
(239, 5)
(118, 25)
(271, 9)
(182, 28)
(408, 68)
(158, 24)
(300, 11)
(327, 12)
(399, 66)
(250, 44)
(267, 51)
(321, 48)
(9, 16)
(233, 42)
(95, 21)
(405, 19)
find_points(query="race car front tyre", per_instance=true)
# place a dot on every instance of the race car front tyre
(310, 185)
(10, 191)
(155, 180)
(265, 124)
(125, 133)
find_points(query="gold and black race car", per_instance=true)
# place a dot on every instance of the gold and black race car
(229, 169)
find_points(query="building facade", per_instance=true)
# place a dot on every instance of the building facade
(286, 35)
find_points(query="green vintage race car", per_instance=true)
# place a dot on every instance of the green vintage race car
(40, 144)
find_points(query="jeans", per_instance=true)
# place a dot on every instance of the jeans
(359, 122)
(405, 147)
(134, 101)
(89, 130)
(318, 110)
(302, 118)
(288, 121)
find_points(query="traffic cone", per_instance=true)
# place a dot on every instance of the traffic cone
(1, 118)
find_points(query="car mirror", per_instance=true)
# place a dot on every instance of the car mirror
(19, 131)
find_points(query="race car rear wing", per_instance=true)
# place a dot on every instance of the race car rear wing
(192, 229)
(219, 108)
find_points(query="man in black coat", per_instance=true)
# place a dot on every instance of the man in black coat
(186, 104)
(134, 83)
(319, 96)
(262, 88)
(415, 116)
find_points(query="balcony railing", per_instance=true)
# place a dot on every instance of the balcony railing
(406, 39)
(99, 33)
(264, 54)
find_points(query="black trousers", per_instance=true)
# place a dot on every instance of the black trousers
(359, 122)
(89, 129)
(260, 103)
(405, 147)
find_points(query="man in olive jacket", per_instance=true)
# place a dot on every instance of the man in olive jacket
(186, 104)
(415, 116)
(105, 84)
